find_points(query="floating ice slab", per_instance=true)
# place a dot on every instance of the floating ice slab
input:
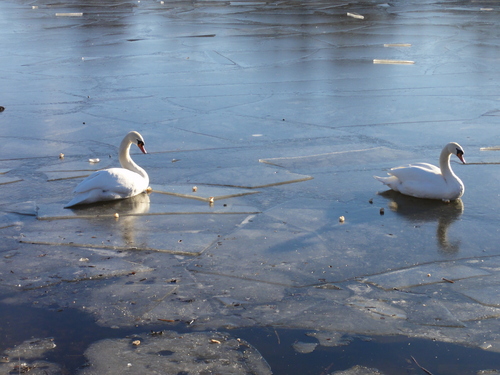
(33, 368)
(182, 244)
(134, 296)
(201, 192)
(426, 311)
(169, 352)
(467, 311)
(134, 207)
(68, 175)
(339, 158)
(22, 358)
(359, 370)
(423, 275)
(308, 214)
(7, 221)
(304, 347)
(9, 180)
(331, 338)
(250, 177)
(57, 265)
(30, 349)
(485, 295)
(73, 169)
(28, 208)
(377, 308)
(79, 165)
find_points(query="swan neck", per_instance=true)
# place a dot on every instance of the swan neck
(444, 163)
(126, 161)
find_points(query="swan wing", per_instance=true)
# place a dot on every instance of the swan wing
(421, 180)
(417, 171)
(425, 167)
(119, 181)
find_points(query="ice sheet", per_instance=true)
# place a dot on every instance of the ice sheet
(54, 265)
(359, 370)
(339, 158)
(172, 352)
(31, 349)
(486, 295)
(424, 274)
(28, 208)
(253, 177)
(202, 193)
(135, 207)
(216, 87)
(9, 180)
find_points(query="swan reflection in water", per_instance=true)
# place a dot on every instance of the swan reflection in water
(127, 209)
(429, 210)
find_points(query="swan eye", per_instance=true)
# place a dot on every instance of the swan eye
(140, 143)
(459, 152)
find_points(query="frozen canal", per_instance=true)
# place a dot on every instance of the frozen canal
(282, 111)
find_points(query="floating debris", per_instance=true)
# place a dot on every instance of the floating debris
(211, 200)
(397, 45)
(394, 62)
(136, 342)
(69, 14)
(195, 189)
(382, 211)
(93, 161)
(61, 156)
(341, 219)
(2, 108)
(116, 215)
(356, 15)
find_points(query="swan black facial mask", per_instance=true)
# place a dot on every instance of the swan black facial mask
(140, 144)
(460, 155)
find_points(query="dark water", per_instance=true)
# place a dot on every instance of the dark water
(73, 331)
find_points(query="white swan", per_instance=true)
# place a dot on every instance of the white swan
(114, 183)
(424, 180)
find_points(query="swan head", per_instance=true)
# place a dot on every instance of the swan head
(455, 149)
(136, 138)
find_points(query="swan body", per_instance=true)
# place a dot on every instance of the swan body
(423, 180)
(114, 183)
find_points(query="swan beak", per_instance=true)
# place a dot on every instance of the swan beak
(141, 146)
(461, 158)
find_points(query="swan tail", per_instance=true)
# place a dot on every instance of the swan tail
(386, 180)
(81, 198)
(92, 196)
(391, 181)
